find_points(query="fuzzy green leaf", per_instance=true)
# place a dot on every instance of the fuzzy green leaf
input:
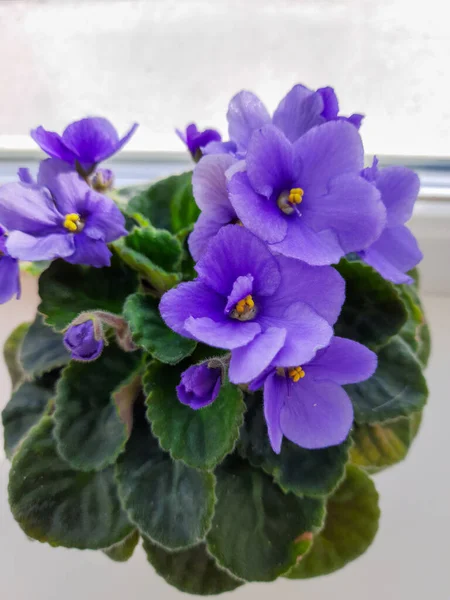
(295, 469)
(167, 204)
(415, 332)
(42, 349)
(192, 571)
(381, 445)
(373, 311)
(55, 504)
(200, 438)
(88, 427)
(25, 408)
(167, 500)
(151, 333)
(11, 350)
(123, 550)
(67, 290)
(154, 253)
(256, 527)
(397, 388)
(350, 527)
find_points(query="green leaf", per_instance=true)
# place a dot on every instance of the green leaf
(166, 203)
(373, 311)
(415, 332)
(295, 469)
(192, 571)
(167, 500)
(42, 349)
(11, 353)
(154, 253)
(183, 208)
(151, 333)
(123, 550)
(256, 527)
(350, 527)
(55, 504)
(200, 438)
(26, 406)
(381, 445)
(88, 427)
(67, 290)
(397, 388)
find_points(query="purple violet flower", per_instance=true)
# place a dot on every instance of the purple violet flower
(260, 306)
(195, 139)
(86, 142)
(306, 403)
(59, 217)
(82, 342)
(299, 111)
(9, 272)
(199, 385)
(396, 250)
(308, 199)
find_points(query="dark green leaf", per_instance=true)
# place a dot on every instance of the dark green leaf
(183, 208)
(167, 500)
(42, 349)
(55, 504)
(350, 527)
(373, 310)
(155, 203)
(256, 527)
(200, 438)
(26, 406)
(415, 331)
(151, 333)
(397, 388)
(381, 445)
(67, 290)
(123, 550)
(192, 571)
(88, 427)
(11, 353)
(154, 253)
(295, 469)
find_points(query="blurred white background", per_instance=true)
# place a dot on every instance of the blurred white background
(164, 63)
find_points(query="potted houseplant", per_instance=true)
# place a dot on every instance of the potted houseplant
(219, 360)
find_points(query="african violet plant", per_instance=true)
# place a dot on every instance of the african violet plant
(220, 360)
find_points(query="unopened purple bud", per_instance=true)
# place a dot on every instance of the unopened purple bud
(83, 341)
(195, 139)
(102, 180)
(199, 385)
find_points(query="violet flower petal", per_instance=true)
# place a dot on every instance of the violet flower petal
(399, 189)
(236, 251)
(53, 145)
(259, 214)
(352, 208)
(394, 253)
(27, 247)
(67, 187)
(205, 229)
(298, 111)
(94, 253)
(316, 414)
(209, 185)
(228, 334)
(9, 278)
(249, 361)
(343, 361)
(246, 113)
(28, 208)
(242, 287)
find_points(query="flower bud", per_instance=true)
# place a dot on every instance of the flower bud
(102, 180)
(199, 385)
(84, 341)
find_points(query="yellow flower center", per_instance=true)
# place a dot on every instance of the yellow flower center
(288, 200)
(245, 309)
(296, 373)
(73, 222)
